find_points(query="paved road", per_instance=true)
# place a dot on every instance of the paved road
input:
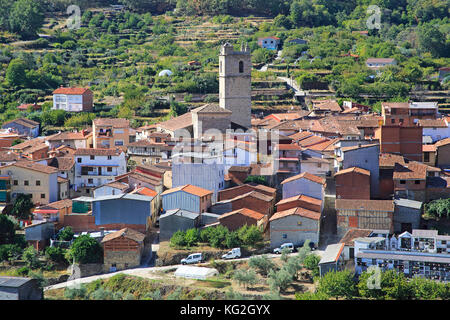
(146, 272)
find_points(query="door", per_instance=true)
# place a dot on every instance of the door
(99, 171)
(406, 227)
(351, 252)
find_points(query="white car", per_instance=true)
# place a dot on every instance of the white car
(234, 253)
(192, 258)
(288, 245)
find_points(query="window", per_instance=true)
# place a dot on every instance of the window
(38, 182)
(392, 120)
(241, 67)
(92, 157)
(109, 169)
(417, 181)
(284, 236)
(426, 157)
(42, 195)
(79, 160)
(118, 142)
(402, 181)
(16, 183)
(90, 180)
(26, 183)
(109, 157)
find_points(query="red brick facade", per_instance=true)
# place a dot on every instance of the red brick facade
(352, 185)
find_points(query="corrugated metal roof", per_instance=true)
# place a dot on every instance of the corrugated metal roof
(13, 282)
(180, 213)
(409, 256)
(408, 203)
(332, 253)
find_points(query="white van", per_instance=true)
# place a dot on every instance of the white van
(192, 258)
(234, 253)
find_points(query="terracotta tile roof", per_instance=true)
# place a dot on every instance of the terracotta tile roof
(61, 179)
(28, 144)
(61, 204)
(312, 140)
(388, 160)
(286, 146)
(395, 105)
(112, 122)
(433, 123)
(23, 121)
(127, 233)
(240, 169)
(211, 108)
(68, 135)
(145, 192)
(288, 116)
(179, 122)
(253, 194)
(301, 197)
(97, 152)
(71, 91)
(326, 105)
(442, 142)
(380, 60)
(246, 212)
(353, 169)
(412, 171)
(34, 166)
(345, 149)
(115, 184)
(428, 148)
(7, 156)
(25, 106)
(352, 234)
(263, 187)
(365, 205)
(296, 211)
(200, 192)
(148, 143)
(321, 146)
(305, 175)
(62, 163)
(300, 135)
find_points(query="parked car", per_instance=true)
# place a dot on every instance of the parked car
(192, 258)
(288, 245)
(234, 253)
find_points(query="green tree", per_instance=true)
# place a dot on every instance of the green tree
(338, 284)
(66, 234)
(26, 17)
(311, 262)
(256, 179)
(22, 206)
(191, 237)
(7, 230)
(86, 250)
(432, 40)
(261, 263)
(394, 285)
(16, 73)
(279, 280)
(55, 254)
(31, 257)
(245, 277)
(178, 239)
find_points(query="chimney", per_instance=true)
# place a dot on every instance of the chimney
(102, 231)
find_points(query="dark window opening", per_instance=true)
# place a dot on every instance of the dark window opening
(241, 67)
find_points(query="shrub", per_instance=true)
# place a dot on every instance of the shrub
(10, 251)
(279, 280)
(262, 263)
(86, 250)
(55, 254)
(338, 284)
(191, 237)
(245, 277)
(311, 262)
(178, 239)
(31, 257)
(66, 234)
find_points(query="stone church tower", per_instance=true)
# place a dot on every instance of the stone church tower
(235, 92)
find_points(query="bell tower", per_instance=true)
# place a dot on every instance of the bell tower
(235, 91)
